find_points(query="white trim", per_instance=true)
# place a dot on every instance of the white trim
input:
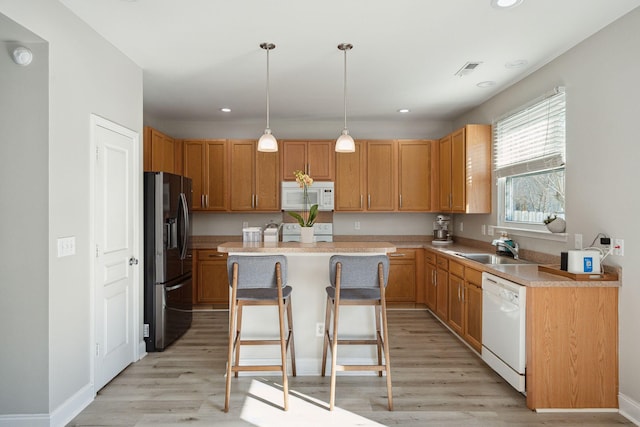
(629, 408)
(60, 417)
(561, 410)
(535, 234)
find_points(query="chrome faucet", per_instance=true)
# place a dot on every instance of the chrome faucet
(502, 244)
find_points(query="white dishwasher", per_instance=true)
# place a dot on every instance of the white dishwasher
(503, 328)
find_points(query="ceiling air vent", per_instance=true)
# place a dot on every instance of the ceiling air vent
(468, 68)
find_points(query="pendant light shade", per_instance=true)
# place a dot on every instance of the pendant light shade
(267, 141)
(345, 143)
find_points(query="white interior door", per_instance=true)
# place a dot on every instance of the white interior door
(116, 257)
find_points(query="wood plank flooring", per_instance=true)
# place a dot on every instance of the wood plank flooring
(437, 381)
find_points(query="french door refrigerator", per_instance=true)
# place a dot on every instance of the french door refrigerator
(167, 258)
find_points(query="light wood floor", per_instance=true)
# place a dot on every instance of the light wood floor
(437, 381)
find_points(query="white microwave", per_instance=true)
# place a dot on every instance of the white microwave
(320, 193)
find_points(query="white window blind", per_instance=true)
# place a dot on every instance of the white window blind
(532, 139)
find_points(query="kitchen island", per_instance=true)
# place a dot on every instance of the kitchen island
(308, 275)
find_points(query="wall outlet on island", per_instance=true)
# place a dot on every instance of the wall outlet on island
(245, 224)
(319, 329)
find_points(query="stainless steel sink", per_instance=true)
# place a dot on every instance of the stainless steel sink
(485, 258)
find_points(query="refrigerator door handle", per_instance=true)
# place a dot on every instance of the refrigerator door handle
(185, 229)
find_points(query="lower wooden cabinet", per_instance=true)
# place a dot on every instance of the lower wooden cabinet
(454, 295)
(402, 276)
(473, 308)
(442, 288)
(210, 278)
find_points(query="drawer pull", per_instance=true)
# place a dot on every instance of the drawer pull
(397, 255)
(215, 255)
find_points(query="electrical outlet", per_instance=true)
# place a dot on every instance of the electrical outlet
(356, 225)
(66, 246)
(461, 226)
(319, 329)
(245, 224)
(577, 241)
(490, 231)
(618, 247)
(484, 229)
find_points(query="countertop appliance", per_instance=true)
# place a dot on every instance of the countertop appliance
(322, 232)
(503, 328)
(167, 258)
(442, 230)
(320, 193)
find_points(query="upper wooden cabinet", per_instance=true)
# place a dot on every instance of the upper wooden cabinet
(386, 176)
(465, 170)
(382, 176)
(162, 153)
(254, 178)
(350, 182)
(315, 158)
(205, 162)
(415, 181)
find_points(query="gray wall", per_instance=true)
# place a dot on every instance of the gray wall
(24, 178)
(602, 173)
(86, 75)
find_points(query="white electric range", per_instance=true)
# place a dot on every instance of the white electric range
(322, 232)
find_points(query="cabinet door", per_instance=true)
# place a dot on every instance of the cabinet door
(195, 161)
(267, 182)
(458, 171)
(350, 180)
(456, 288)
(320, 160)
(241, 180)
(473, 316)
(444, 163)
(442, 294)
(294, 157)
(216, 196)
(430, 284)
(402, 277)
(381, 176)
(414, 176)
(212, 284)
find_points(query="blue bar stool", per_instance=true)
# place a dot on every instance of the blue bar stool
(259, 280)
(357, 280)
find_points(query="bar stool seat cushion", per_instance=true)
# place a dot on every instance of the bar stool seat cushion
(262, 294)
(355, 293)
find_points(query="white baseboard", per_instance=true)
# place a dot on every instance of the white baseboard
(629, 408)
(72, 406)
(60, 417)
(24, 420)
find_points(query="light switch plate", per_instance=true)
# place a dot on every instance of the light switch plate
(66, 246)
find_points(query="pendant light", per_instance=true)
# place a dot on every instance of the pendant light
(345, 143)
(267, 141)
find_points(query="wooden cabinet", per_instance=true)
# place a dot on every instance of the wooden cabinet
(315, 158)
(472, 332)
(205, 162)
(382, 176)
(254, 181)
(415, 181)
(464, 160)
(210, 278)
(430, 279)
(402, 276)
(350, 184)
(442, 288)
(161, 153)
(456, 295)
(572, 347)
(386, 176)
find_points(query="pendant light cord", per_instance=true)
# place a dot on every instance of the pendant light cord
(345, 88)
(268, 86)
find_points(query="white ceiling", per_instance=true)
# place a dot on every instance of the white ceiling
(201, 55)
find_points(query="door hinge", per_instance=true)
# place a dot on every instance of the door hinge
(97, 153)
(97, 251)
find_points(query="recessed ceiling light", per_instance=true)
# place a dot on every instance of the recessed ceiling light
(404, 110)
(518, 63)
(505, 4)
(488, 83)
(225, 109)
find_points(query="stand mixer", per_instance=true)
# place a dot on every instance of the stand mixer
(441, 230)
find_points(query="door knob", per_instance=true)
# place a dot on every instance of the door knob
(133, 261)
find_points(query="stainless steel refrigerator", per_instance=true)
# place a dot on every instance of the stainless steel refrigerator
(167, 258)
